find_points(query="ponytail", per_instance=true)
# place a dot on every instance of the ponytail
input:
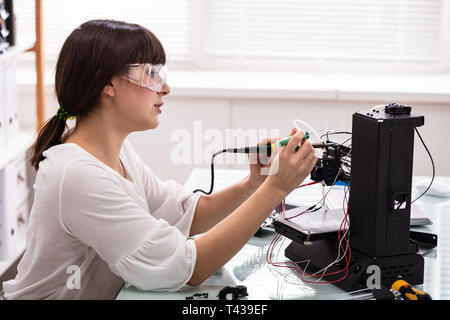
(50, 135)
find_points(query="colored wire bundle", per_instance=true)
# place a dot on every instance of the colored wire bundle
(343, 236)
(323, 272)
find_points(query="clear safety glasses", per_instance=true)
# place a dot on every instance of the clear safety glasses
(147, 75)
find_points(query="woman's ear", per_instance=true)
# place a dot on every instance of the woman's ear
(109, 89)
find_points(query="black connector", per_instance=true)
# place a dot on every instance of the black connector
(397, 109)
(236, 292)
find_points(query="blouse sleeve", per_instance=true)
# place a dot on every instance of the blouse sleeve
(144, 251)
(168, 199)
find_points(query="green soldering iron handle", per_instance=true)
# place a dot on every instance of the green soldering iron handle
(266, 149)
(284, 142)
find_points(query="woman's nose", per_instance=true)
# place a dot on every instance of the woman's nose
(165, 90)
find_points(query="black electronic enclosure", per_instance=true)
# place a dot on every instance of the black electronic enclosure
(381, 181)
(379, 205)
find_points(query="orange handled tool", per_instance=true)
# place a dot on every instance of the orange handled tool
(408, 292)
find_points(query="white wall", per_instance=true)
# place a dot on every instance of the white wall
(155, 146)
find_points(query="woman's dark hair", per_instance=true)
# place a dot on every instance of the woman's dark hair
(91, 55)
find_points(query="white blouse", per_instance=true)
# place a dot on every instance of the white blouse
(91, 230)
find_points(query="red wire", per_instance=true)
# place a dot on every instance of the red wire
(307, 184)
(299, 214)
(284, 201)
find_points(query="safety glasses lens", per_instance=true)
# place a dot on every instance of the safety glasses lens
(151, 76)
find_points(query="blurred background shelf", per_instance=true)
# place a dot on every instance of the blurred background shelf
(24, 141)
(16, 50)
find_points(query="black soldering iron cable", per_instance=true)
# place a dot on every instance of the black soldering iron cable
(432, 164)
(261, 149)
(212, 174)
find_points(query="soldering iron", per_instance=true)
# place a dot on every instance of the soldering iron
(266, 149)
(263, 149)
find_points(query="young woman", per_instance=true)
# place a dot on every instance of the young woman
(100, 216)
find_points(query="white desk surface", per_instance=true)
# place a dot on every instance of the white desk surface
(265, 282)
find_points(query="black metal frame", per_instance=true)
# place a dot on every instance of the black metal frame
(379, 207)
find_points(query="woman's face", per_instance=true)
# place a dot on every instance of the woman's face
(137, 108)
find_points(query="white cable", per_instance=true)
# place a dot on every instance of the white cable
(289, 277)
(285, 275)
(299, 123)
(323, 270)
(303, 126)
(338, 259)
(324, 199)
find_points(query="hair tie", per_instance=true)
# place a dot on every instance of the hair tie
(63, 115)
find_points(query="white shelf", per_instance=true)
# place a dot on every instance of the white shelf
(24, 140)
(16, 50)
(6, 264)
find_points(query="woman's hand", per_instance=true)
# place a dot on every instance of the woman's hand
(290, 167)
(222, 241)
(260, 164)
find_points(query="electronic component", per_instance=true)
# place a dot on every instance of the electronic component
(308, 226)
(330, 168)
(397, 109)
(380, 178)
(381, 181)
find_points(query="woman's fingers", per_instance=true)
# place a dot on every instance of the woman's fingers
(262, 158)
(305, 152)
(293, 163)
(295, 141)
(312, 163)
(309, 150)
(310, 158)
(293, 131)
